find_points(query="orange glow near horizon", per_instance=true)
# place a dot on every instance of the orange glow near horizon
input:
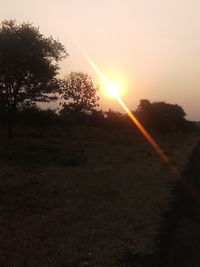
(115, 93)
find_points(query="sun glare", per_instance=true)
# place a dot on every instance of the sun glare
(114, 89)
(115, 85)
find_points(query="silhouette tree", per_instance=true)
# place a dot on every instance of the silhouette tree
(161, 116)
(144, 105)
(144, 112)
(79, 94)
(28, 67)
(169, 117)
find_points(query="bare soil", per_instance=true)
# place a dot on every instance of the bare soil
(88, 197)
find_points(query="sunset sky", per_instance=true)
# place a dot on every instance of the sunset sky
(153, 44)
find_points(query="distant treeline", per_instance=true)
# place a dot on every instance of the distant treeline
(29, 68)
(157, 116)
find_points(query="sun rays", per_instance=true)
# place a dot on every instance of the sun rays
(114, 90)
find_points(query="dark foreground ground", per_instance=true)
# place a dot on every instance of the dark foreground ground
(88, 197)
(184, 245)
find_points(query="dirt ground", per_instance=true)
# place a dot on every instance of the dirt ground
(88, 197)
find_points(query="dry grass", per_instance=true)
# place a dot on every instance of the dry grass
(84, 199)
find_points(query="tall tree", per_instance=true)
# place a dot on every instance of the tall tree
(28, 66)
(79, 93)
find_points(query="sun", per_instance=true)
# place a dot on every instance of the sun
(113, 90)
(114, 84)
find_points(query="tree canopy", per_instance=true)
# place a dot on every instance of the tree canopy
(28, 64)
(161, 116)
(79, 93)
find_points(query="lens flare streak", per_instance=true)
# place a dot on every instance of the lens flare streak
(149, 138)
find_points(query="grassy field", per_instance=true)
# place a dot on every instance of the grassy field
(88, 197)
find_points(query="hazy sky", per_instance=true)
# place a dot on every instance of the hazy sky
(155, 44)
